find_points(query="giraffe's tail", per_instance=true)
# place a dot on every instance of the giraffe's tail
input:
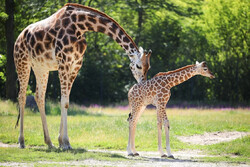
(18, 117)
(129, 116)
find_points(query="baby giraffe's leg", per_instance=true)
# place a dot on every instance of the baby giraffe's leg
(135, 114)
(132, 127)
(159, 126)
(167, 128)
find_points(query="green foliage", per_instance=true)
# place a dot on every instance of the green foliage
(2, 74)
(2, 65)
(226, 29)
(179, 32)
(3, 16)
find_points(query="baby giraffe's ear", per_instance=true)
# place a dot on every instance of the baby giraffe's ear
(197, 63)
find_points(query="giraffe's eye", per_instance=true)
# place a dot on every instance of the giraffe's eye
(138, 66)
(205, 69)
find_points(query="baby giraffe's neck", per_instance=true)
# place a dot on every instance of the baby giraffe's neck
(178, 76)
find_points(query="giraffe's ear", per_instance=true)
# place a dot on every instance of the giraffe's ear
(140, 49)
(141, 52)
(149, 53)
(197, 63)
(148, 56)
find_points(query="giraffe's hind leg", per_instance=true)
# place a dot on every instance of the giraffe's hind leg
(41, 85)
(23, 72)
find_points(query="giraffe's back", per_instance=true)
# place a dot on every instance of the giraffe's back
(150, 92)
(35, 45)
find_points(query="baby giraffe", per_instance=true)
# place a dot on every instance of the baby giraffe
(156, 91)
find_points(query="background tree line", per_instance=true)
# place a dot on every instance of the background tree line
(178, 32)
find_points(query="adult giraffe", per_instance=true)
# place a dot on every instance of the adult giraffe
(58, 43)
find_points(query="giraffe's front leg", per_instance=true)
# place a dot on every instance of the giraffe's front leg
(135, 114)
(63, 137)
(67, 75)
(65, 91)
(131, 141)
(60, 133)
(159, 127)
(160, 115)
(129, 149)
(167, 128)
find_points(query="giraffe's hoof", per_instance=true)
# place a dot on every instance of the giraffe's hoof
(51, 146)
(66, 147)
(171, 156)
(136, 154)
(60, 145)
(22, 146)
(164, 156)
(21, 142)
(131, 154)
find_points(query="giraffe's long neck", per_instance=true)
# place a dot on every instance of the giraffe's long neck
(182, 75)
(178, 76)
(88, 19)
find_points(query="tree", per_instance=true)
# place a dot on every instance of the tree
(227, 27)
(10, 67)
(178, 33)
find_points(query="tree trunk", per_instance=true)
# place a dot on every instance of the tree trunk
(10, 69)
(140, 21)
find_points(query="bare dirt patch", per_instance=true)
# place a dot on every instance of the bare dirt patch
(8, 145)
(212, 138)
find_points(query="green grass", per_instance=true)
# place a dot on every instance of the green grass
(7, 108)
(107, 128)
(55, 155)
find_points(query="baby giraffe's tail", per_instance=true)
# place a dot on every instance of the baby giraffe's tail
(129, 116)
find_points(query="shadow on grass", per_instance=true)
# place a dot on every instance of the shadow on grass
(82, 151)
(58, 150)
(100, 155)
(168, 160)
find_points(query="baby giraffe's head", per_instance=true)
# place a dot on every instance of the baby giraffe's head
(203, 70)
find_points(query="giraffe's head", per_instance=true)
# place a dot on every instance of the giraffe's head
(203, 70)
(140, 64)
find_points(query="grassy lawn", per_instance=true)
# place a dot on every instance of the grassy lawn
(57, 155)
(107, 128)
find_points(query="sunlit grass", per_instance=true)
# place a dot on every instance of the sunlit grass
(7, 107)
(98, 127)
(55, 155)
